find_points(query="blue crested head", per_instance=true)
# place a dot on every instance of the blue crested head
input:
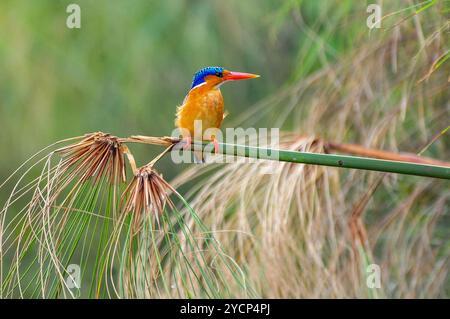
(199, 77)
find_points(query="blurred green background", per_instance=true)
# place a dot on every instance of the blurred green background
(128, 67)
(131, 63)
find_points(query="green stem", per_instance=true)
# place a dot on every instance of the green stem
(344, 161)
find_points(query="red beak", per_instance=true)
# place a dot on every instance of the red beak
(239, 76)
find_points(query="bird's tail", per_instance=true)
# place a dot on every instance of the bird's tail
(199, 157)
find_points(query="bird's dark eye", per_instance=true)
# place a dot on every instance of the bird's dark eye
(219, 74)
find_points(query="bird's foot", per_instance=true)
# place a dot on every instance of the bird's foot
(216, 146)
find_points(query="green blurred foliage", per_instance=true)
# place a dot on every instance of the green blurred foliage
(131, 63)
(128, 67)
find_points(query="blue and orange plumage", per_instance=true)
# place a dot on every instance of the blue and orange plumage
(204, 101)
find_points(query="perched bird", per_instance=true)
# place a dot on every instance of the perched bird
(204, 102)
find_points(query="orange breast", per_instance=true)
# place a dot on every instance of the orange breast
(204, 103)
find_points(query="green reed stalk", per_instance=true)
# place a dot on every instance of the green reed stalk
(343, 161)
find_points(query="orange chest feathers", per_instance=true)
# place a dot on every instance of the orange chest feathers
(204, 104)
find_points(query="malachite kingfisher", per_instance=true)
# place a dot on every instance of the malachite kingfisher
(204, 102)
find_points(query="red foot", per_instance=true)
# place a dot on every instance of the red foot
(216, 146)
